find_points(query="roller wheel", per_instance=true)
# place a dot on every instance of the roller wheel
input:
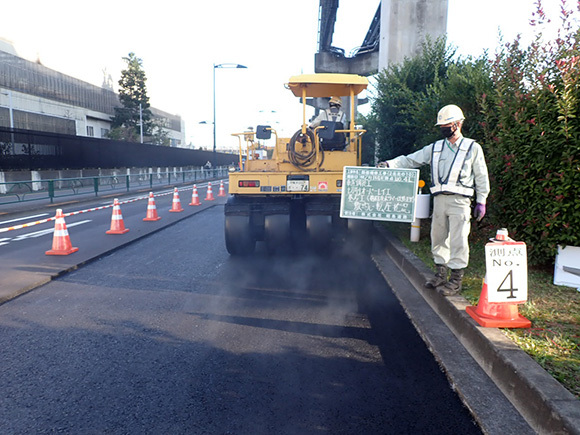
(239, 239)
(277, 233)
(319, 229)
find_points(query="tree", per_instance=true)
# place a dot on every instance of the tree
(409, 95)
(159, 134)
(126, 124)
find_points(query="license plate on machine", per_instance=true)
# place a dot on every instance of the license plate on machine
(297, 186)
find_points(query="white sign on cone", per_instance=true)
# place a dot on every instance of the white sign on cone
(507, 271)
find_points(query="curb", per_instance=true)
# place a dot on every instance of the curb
(545, 404)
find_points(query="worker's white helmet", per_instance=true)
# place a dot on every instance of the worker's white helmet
(449, 114)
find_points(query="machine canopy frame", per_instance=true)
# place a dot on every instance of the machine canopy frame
(325, 85)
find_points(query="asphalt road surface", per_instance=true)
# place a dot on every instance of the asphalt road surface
(171, 335)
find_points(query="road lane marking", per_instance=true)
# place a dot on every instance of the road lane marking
(40, 233)
(23, 218)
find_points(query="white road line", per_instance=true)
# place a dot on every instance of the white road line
(24, 218)
(41, 232)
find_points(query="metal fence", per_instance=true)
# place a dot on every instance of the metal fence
(33, 190)
(37, 150)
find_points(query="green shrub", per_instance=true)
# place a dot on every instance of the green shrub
(534, 160)
(522, 107)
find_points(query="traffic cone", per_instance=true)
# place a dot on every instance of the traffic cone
(61, 244)
(117, 224)
(496, 314)
(209, 194)
(176, 204)
(222, 191)
(151, 210)
(194, 197)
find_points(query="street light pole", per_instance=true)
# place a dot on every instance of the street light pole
(221, 65)
(141, 121)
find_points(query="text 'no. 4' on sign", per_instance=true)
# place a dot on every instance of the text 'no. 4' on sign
(382, 194)
(506, 266)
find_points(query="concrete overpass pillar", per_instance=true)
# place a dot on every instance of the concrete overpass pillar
(405, 24)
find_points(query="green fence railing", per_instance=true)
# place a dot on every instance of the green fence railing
(34, 190)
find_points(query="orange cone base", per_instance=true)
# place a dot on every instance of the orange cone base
(508, 316)
(151, 219)
(62, 252)
(117, 231)
(195, 203)
(176, 210)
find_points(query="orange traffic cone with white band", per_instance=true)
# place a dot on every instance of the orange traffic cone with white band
(496, 315)
(209, 194)
(222, 191)
(117, 224)
(493, 311)
(194, 197)
(176, 204)
(61, 244)
(151, 210)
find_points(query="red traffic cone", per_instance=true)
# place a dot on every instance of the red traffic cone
(176, 204)
(209, 194)
(61, 244)
(151, 210)
(222, 191)
(194, 197)
(495, 314)
(117, 224)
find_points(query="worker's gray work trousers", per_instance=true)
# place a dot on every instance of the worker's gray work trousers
(450, 226)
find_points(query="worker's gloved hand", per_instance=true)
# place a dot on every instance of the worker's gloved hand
(479, 211)
(383, 165)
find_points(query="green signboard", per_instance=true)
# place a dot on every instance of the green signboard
(381, 194)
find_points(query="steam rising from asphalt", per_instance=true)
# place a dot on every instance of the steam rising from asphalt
(308, 295)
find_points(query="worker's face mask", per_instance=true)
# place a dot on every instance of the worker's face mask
(447, 132)
(334, 109)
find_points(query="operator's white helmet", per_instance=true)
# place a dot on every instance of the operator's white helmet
(449, 114)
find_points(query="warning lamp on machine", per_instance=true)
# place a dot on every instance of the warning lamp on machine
(249, 183)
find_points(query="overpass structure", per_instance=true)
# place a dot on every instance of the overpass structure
(397, 30)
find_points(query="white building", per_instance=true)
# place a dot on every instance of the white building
(34, 97)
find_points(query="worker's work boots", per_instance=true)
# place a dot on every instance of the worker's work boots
(453, 286)
(440, 277)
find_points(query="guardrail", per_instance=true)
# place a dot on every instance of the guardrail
(34, 190)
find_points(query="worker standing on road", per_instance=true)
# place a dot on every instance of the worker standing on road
(458, 171)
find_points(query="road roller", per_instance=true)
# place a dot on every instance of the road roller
(288, 196)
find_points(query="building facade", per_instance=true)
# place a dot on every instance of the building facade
(34, 97)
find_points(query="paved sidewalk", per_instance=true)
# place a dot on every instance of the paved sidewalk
(545, 405)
